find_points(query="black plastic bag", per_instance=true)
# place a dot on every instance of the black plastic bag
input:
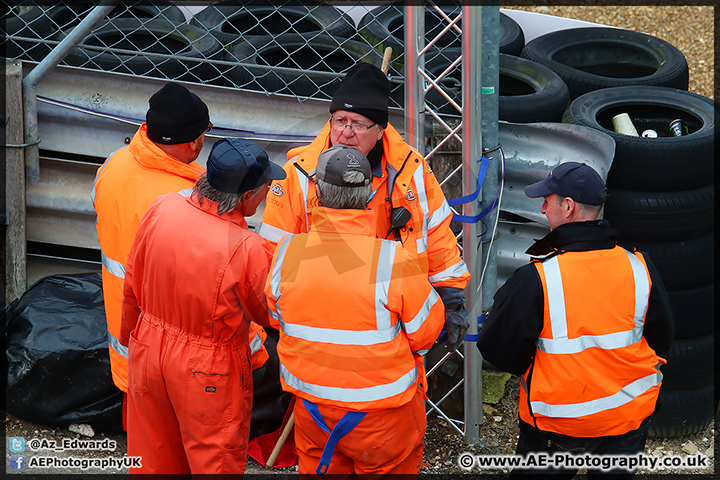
(270, 402)
(58, 366)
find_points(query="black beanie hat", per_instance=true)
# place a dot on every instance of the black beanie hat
(176, 115)
(364, 90)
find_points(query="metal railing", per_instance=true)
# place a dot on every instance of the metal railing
(298, 50)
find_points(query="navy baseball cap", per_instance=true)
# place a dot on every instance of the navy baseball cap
(571, 179)
(237, 165)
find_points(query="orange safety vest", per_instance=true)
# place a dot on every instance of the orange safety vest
(413, 186)
(594, 373)
(125, 186)
(355, 313)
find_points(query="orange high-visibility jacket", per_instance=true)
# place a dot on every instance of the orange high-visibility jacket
(125, 186)
(355, 314)
(414, 187)
(593, 373)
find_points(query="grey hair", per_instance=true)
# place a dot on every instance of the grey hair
(226, 202)
(335, 196)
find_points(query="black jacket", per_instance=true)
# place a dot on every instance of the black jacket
(508, 334)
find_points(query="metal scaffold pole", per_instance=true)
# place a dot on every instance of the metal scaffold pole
(471, 152)
(414, 94)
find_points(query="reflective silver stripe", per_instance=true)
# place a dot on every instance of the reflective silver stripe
(304, 186)
(455, 271)
(642, 289)
(382, 284)
(271, 234)
(439, 215)
(560, 344)
(339, 394)
(256, 344)
(113, 266)
(573, 410)
(556, 298)
(276, 275)
(422, 353)
(340, 337)
(606, 342)
(419, 179)
(186, 192)
(414, 325)
(274, 315)
(116, 345)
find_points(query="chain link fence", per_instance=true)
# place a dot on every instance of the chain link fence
(291, 48)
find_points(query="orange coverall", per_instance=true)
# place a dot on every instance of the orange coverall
(125, 186)
(193, 283)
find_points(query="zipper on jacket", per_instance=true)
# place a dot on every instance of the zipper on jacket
(208, 374)
(527, 383)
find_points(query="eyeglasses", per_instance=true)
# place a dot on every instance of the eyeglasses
(209, 127)
(340, 125)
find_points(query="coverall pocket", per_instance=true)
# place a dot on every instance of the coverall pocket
(209, 393)
(137, 364)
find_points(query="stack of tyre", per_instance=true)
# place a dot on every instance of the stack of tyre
(529, 92)
(661, 188)
(296, 49)
(151, 35)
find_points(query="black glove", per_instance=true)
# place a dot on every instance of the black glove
(456, 324)
(456, 315)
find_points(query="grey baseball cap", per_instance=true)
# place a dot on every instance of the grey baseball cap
(337, 165)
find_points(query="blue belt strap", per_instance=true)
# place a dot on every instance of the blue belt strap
(343, 427)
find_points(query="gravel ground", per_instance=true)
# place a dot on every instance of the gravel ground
(690, 29)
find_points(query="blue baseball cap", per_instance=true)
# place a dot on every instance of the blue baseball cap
(571, 179)
(237, 165)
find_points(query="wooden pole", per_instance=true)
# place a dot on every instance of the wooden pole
(386, 60)
(281, 440)
(13, 244)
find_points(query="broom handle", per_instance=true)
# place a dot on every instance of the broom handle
(281, 440)
(386, 60)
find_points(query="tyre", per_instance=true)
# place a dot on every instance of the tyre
(229, 21)
(685, 264)
(665, 163)
(598, 57)
(384, 27)
(512, 39)
(682, 412)
(690, 363)
(529, 92)
(63, 17)
(23, 21)
(311, 57)
(647, 216)
(150, 37)
(693, 310)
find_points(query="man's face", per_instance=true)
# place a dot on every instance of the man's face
(554, 209)
(250, 204)
(199, 142)
(364, 141)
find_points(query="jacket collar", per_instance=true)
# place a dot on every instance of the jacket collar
(352, 222)
(394, 148)
(210, 207)
(577, 237)
(151, 156)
